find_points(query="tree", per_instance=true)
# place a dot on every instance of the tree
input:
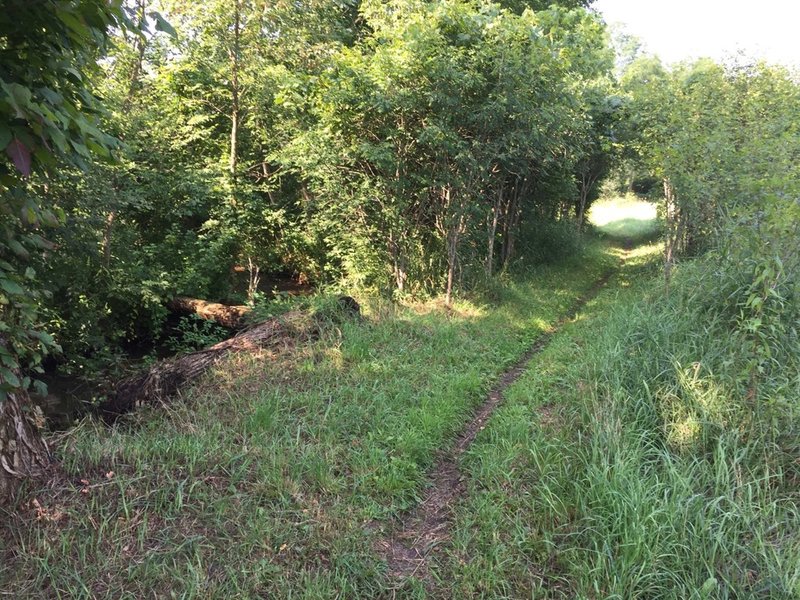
(395, 145)
(429, 136)
(48, 118)
(519, 6)
(599, 151)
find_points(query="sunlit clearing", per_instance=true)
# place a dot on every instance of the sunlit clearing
(609, 210)
(626, 216)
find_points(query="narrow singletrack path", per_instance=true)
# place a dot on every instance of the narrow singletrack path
(410, 545)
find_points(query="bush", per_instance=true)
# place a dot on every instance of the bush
(687, 481)
(195, 333)
(548, 242)
(719, 357)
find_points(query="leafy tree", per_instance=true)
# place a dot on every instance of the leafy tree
(519, 6)
(725, 141)
(395, 145)
(434, 127)
(48, 118)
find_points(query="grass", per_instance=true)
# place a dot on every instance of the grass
(274, 476)
(626, 218)
(624, 464)
(621, 465)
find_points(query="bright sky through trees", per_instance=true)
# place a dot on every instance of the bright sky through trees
(681, 29)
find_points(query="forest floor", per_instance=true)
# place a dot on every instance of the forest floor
(415, 454)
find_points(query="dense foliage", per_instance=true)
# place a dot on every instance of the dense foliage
(392, 146)
(49, 121)
(726, 142)
(405, 150)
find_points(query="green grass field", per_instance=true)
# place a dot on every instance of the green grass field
(269, 479)
(626, 218)
(280, 473)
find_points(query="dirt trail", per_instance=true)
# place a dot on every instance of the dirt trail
(409, 547)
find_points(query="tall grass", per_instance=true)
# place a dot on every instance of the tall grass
(651, 451)
(631, 462)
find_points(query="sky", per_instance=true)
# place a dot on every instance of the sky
(677, 30)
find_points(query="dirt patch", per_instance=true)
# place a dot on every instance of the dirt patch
(409, 547)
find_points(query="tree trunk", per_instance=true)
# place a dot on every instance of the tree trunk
(452, 247)
(234, 58)
(451, 269)
(493, 220)
(166, 378)
(398, 262)
(139, 44)
(253, 279)
(511, 225)
(107, 238)
(673, 232)
(586, 186)
(23, 451)
(225, 315)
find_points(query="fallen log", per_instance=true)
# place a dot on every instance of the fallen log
(166, 378)
(225, 315)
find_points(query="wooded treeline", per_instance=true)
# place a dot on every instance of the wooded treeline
(151, 148)
(398, 145)
(385, 145)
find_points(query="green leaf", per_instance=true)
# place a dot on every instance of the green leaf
(75, 74)
(80, 148)
(80, 29)
(40, 387)
(29, 216)
(49, 218)
(98, 149)
(162, 24)
(51, 96)
(59, 139)
(5, 136)
(8, 376)
(18, 96)
(8, 361)
(43, 337)
(11, 287)
(40, 242)
(18, 249)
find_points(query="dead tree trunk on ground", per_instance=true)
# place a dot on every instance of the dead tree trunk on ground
(225, 315)
(166, 378)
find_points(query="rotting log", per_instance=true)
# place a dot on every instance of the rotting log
(225, 315)
(166, 378)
